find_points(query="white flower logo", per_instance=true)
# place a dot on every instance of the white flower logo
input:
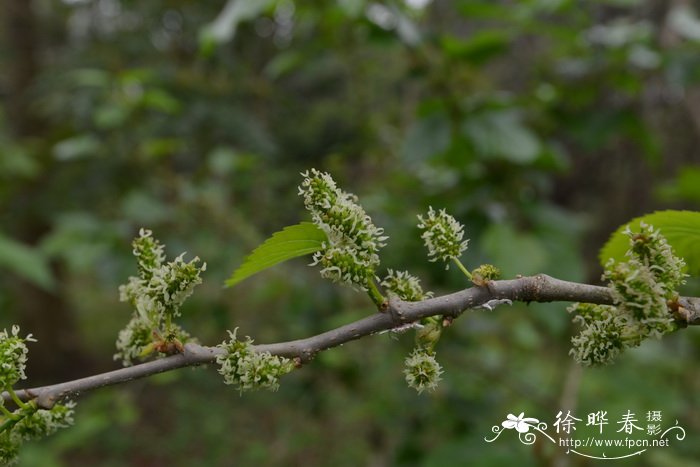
(520, 423)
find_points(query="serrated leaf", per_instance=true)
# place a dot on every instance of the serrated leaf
(26, 262)
(296, 240)
(681, 229)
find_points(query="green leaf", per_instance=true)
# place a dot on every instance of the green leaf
(26, 262)
(681, 229)
(295, 240)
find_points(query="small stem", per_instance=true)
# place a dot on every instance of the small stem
(16, 399)
(375, 294)
(9, 423)
(168, 323)
(461, 266)
(6, 412)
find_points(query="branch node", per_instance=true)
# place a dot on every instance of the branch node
(397, 315)
(46, 401)
(688, 310)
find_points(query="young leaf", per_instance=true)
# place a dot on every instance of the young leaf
(290, 242)
(681, 229)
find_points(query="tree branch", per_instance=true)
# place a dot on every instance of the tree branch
(539, 288)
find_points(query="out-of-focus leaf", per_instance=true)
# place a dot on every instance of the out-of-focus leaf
(513, 252)
(426, 138)
(296, 240)
(158, 99)
(477, 49)
(79, 239)
(559, 231)
(502, 135)
(224, 160)
(283, 63)
(681, 229)
(26, 262)
(16, 161)
(391, 18)
(685, 22)
(111, 116)
(90, 77)
(595, 130)
(482, 9)
(352, 8)
(619, 33)
(647, 141)
(406, 28)
(160, 147)
(223, 28)
(686, 186)
(142, 207)
(77, 147)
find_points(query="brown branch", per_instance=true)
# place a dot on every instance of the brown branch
(47, 396)
(540, 288)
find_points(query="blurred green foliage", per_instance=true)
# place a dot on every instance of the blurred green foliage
(542, 125)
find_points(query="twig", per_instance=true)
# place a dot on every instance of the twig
(539, 288)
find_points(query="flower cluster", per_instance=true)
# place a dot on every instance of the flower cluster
(442, 235)
(422, 370)
(428, 335)
(351, 254)
(605, 334)
(38, 423)
(404, 286)
(13, 357)
(652, 250)
(149, 253)
(641, 287)
(161, 288)
(345, 265)
(156, 294)
(28, 423)
(485, 273)
(247, 369)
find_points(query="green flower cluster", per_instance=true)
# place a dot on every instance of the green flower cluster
(644, 283)
(351, 254)
(27, 421)
(404, 286)
(442, 235)
(484, 274)
(247, 369)
(422, 370)
(13, 357)
(156, 294)
(642, 286)
(604, 335)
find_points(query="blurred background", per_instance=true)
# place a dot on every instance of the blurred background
(542, 125)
